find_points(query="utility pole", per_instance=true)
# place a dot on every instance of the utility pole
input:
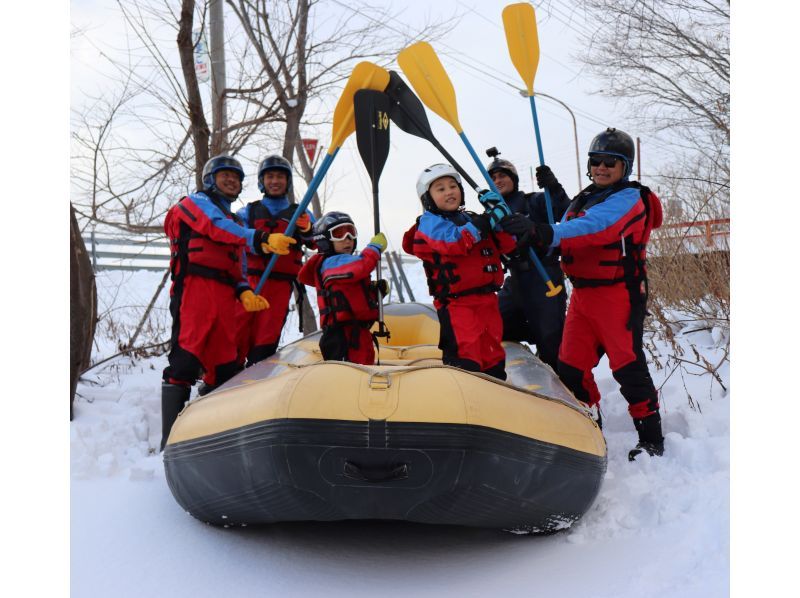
(638, 160)
(219, 117)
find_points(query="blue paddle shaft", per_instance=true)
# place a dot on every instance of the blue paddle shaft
(533, 256)
(301, 208)
(547, 200)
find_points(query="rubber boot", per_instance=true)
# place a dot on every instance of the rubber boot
(204, 389)
(651, 440)
(173, 398)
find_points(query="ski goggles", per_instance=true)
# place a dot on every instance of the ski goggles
(607, 160)
(343, 231)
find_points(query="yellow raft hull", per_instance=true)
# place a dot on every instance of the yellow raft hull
(298, 438)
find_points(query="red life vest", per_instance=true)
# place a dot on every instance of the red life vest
(453, 276)
(193, 253)
(624, 260)
(260, 218)
(339, 299)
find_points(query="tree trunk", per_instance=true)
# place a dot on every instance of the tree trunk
(198, 124)
(82, 309)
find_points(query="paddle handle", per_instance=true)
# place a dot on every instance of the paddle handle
(552, 289)
(548, 202)
(301, 208)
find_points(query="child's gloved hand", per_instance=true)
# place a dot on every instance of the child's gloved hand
(496, 213)
(383, 287)
(379, 240)
(489, 198)
(483, 224)
(304, 223)
(253, 302)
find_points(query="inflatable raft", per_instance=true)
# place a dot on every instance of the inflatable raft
(297, 438)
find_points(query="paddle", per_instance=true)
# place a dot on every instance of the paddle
(365, 75)
(522, 36)
(372, 136)
(408, 113)
(425, 72)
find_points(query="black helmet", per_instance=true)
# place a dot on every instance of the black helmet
(322, 229)
(506, 166)
(217, 163)
(616, 143)
(275, 162)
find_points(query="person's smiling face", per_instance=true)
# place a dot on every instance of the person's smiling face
(275, 182)
(228, 182)
(503, 182)
(446, 194)
(602, 174)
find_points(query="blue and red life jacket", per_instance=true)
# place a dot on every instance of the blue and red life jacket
(594, 260)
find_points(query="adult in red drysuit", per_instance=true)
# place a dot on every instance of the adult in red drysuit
(258, 333)
(461, 257)
(348, 301)
(603, 238)
(207, 242)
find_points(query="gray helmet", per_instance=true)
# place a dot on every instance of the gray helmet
(614, 143)
(275, 162)
(217, 163)
(322, 229)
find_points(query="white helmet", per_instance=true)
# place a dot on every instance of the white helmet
(432, 173)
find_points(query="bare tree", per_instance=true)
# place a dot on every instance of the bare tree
(142, 142)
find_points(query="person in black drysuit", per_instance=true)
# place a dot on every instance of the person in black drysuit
(528, 314)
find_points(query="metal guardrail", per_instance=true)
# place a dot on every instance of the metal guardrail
(109, 253)
(711, 229)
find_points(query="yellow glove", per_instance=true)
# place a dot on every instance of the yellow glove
(278, 243)
(304, 223)
(253, 302)
(379, 240)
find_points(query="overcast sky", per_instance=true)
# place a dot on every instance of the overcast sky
(491, 110)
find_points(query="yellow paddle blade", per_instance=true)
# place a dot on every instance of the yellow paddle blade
(519, 21)
(427, 75)
(365, 75)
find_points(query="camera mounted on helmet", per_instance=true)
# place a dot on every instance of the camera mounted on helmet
(502, 165)
(275, 162)
(429, 176)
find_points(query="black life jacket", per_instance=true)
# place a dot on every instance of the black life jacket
(287, 266)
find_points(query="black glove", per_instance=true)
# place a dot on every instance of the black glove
(383, 287)
(543, 234)
(545, 178)
(483, 223)
(259, 239)
(517, 225)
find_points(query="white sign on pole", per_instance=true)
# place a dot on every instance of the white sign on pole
(201, 65)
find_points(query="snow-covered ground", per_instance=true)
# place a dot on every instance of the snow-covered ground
(660, 527)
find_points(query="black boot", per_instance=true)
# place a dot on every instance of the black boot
(204, 389)
(173, 398)
(651, 440)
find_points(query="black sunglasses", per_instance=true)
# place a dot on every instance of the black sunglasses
(608, 161)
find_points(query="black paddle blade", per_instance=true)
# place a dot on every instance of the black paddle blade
(371, 110)
(407, 111)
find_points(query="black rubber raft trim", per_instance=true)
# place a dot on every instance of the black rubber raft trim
(326, 470)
